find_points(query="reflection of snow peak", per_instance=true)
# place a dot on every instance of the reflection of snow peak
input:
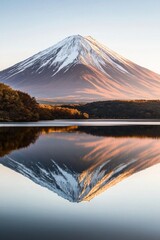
(68, 184)
(78, 166)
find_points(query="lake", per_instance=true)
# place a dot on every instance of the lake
(80, 182)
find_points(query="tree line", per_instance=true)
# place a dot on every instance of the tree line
(20, 106)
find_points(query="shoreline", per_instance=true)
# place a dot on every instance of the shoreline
(88, 122)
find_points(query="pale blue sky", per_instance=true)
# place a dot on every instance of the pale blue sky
(131, 28)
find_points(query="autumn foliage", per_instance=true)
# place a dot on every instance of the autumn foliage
(19, 106)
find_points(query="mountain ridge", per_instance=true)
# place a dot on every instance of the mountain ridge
(81, 69)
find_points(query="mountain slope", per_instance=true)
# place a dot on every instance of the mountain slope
(81, 69)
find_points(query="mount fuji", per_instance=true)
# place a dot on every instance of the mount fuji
(81, 69)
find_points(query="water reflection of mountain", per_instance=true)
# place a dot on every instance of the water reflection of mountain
(79, 165)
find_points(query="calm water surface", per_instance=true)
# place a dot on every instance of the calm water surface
(80, 182)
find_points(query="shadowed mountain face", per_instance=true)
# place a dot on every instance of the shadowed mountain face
(81, 69)
(78, 165)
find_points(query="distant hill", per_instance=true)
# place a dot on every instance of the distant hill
(139, 109)
(19, 106)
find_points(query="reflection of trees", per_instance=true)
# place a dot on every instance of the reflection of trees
(16, 138)
(13, 138)
(123, 131)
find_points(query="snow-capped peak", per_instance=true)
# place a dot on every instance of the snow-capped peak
(68, 52)
(81, 69)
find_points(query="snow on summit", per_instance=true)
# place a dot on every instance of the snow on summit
(80, 68)
(70, 50)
